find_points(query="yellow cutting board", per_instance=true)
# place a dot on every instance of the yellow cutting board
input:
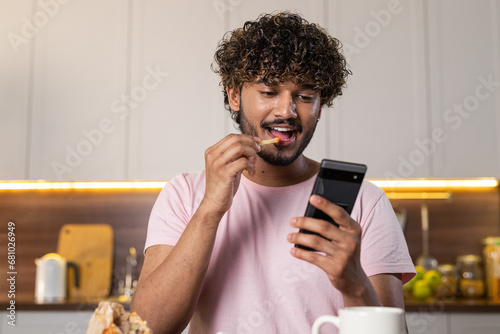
(90, 247)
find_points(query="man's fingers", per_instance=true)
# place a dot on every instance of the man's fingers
(233, 143)
(313, 241)
(337, 213)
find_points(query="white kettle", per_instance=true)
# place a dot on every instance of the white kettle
(51, 278)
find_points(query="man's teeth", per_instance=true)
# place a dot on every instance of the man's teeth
(282, 129)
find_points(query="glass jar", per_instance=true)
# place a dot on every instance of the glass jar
(470, 276)
(491, 253)
(448, 286)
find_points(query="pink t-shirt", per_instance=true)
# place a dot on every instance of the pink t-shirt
(253, 284)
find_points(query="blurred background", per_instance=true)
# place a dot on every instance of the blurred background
(123, 90)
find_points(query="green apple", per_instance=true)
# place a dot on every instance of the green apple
(433, 277)
(421, 290)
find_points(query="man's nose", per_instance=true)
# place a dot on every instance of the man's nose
(286, 107)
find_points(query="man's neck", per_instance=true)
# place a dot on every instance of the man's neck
(279, 176)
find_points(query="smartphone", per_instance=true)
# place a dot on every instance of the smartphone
(338, 182)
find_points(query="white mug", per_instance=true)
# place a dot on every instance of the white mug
(365, 319)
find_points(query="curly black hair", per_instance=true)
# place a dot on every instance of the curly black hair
(281, 47)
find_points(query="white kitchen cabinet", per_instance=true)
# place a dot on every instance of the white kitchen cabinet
(383, 109)
(50, 322)
(181, 113)
(452, 323)
(427, 323)
(80, 67)
(469, 323)
(15, 97)
(123, 90)
(411, 63)
(464, 63)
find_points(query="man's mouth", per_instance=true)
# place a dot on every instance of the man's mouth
(284, 133)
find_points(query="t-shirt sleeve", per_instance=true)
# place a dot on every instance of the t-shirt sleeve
(383, 245)
(170, 214)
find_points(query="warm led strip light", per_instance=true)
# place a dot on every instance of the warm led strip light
(389, 185)
(43, 185)
(418, 195)
(437, 183)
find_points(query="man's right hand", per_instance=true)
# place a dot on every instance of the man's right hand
(179, 272)
(224, 163)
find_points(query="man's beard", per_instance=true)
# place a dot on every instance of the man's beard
(277, 159)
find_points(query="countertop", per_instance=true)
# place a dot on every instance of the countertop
(448, 306)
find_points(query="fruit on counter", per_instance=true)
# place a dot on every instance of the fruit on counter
(420, 273)
(433, 278)
(421, 290)
(424, 285)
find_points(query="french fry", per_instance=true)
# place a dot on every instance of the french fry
(269, 141)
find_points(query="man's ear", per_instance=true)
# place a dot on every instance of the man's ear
(233, 96)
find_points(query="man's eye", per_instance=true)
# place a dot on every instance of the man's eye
(265, 93)
(306, 97)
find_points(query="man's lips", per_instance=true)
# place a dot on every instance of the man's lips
(286, 134)
(285, 129)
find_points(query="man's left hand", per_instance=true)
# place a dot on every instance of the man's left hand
(338, 253)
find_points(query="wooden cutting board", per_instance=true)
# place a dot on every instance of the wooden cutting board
(90, 247)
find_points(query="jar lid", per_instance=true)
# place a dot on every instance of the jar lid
(491, 241)
(469, 258)
(447, 269)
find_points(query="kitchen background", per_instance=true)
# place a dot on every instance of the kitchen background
(123, 90)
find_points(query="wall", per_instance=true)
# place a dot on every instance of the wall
(93, 90)
(39, 215)
(456, 226)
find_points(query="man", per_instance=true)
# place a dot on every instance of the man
(220, 249)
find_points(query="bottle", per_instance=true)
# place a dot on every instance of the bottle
(448, 286)
(470, 274)
(491, 253)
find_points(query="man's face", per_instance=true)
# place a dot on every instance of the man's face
(282, 110)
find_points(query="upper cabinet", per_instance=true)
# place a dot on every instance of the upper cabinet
(382, 112)
(15, 88)
(464, 67)
(124, 90)
(176, 108)
(80, 68)
(424, 97)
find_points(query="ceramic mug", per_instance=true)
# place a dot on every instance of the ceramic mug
(365, 319)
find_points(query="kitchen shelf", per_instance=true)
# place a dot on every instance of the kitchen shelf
(436, 306)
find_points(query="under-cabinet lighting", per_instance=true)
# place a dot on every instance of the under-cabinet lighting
(44, 185)
(386, 184)
(418, 195)
(436, 183)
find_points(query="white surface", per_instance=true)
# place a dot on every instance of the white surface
(475, 324)
(427, 323)
(410, 67)
(14, 89)
(452, 323)
(80, 68)
(56, 322)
